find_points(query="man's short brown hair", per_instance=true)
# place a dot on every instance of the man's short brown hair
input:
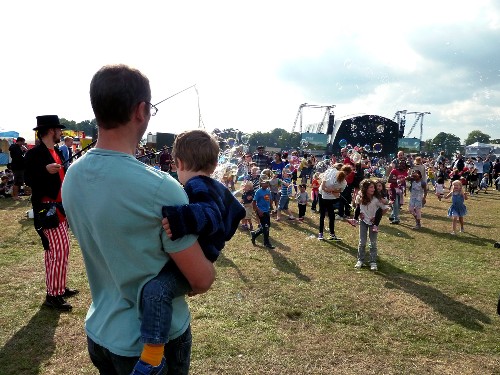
(115, 90)
(198, 150)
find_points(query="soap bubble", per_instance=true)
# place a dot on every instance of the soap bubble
(355, 157)
(321, 166)
(342, 143)
(377, 147)
(245, 138)
(380, 128)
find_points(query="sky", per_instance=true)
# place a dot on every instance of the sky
(254, 63)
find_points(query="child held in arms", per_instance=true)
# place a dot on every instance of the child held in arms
(213, 213)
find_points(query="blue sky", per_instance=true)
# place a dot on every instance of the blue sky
(254, 63)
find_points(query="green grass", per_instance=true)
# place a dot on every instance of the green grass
(299, 309)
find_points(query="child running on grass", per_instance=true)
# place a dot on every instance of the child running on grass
(246, 200)
(368, 206)
(439, 188)
(213, 213)
(315, 184)
(457, 210)
(302, 198)
(261, 206)
(418, 195)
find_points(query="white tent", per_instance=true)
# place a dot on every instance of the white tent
(482, 149)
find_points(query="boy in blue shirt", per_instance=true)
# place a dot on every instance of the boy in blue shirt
(261, 205)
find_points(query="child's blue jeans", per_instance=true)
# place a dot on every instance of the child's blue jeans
(157, 296)
(364, 233)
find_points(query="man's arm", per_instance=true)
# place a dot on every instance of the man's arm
(198, 270)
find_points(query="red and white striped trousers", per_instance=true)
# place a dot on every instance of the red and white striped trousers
(56, 259)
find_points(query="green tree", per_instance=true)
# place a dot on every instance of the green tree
(449, 143)
(276, 138)
(69, 124)
(86, 126)
(428, 146)
(477, 136)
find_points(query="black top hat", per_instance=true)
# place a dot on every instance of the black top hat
(48, 121)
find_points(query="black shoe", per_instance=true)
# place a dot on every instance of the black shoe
(70, 292)
(57, 302)
(391, 218)
(253, 238)
(496, 245)
(333, 237)
(395, 222)
(269, 246)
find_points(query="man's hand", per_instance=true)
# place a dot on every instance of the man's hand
(53, 168)
(166, 226)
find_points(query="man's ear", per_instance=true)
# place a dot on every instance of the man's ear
(141, 112)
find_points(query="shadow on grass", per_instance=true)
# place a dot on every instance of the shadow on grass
(222, 261)
(31, 346)
(467, 238)
(458, 312)
(449, 220)
(285, 265)
(394, 230)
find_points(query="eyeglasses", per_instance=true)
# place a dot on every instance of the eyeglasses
(153, 109)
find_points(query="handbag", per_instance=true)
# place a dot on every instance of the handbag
(47, 215)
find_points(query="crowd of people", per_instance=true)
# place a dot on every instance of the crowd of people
(355, 188)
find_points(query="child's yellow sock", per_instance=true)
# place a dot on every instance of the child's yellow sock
(152, 354)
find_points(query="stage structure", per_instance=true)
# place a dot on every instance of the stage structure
(400, 117)
(312, 136)
(376, 134)
(328, 118)
(164, 139)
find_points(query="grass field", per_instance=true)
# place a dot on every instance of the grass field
(298, 309)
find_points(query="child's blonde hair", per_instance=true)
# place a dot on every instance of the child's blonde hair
(457, 183)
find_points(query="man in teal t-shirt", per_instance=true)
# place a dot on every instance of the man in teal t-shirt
(113, 203)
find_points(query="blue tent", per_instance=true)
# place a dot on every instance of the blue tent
(10, 134)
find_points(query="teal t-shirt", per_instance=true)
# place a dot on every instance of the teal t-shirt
(113, 203)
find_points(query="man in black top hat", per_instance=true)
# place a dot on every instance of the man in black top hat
(45, 174)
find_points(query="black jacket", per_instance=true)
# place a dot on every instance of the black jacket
(42, 183)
